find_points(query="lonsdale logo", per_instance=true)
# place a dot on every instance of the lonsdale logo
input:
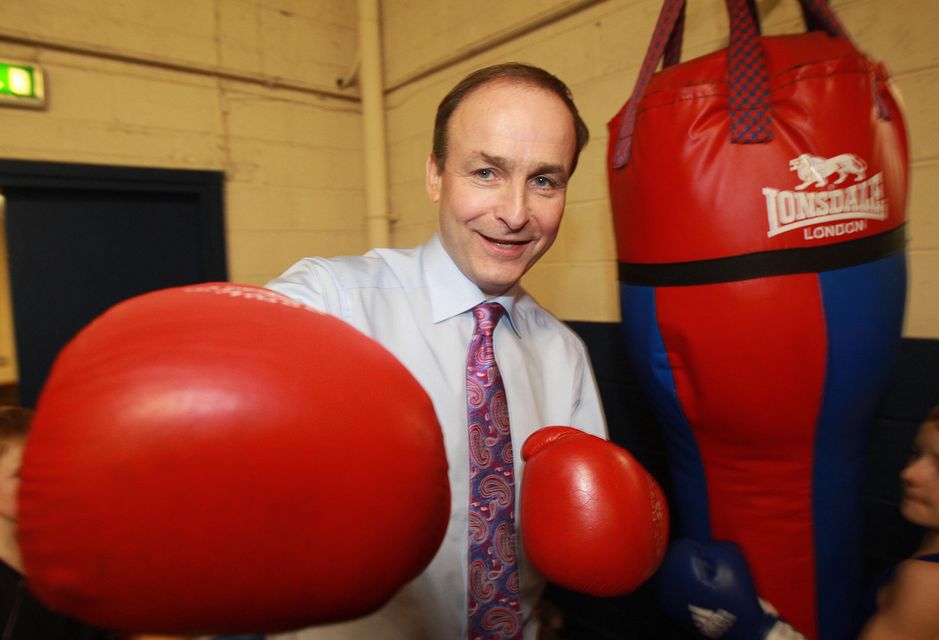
(819, 206)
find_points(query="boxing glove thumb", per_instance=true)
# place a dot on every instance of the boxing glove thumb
(592, 518)
(707, 587)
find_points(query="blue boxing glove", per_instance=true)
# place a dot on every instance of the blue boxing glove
(707, 587)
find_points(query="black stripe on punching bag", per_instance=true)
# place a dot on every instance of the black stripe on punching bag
(765, 263)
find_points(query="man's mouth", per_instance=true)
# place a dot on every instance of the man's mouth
(505, 244)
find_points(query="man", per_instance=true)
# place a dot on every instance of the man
(506, 142)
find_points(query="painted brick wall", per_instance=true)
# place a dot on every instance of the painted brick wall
(242, 86)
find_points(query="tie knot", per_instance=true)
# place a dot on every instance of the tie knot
(487, 316)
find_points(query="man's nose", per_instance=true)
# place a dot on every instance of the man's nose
(514, 211)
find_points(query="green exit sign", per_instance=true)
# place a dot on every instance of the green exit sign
(21, 84)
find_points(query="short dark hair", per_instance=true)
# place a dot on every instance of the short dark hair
(514, 72)
(14, 424)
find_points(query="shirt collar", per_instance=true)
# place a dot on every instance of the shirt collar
(451, 292)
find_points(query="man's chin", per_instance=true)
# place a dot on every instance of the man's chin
(495, 287)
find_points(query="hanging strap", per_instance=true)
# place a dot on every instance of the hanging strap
(673, 44)
(668, 18)
(747, 78)
(747, 74)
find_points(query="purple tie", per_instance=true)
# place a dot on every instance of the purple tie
(493, 601)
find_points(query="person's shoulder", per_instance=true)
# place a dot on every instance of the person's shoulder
(374, 268)
(528, 310)
(379, 269)
(328, 284)
(909, 601)
(544, 323)
(916, 574)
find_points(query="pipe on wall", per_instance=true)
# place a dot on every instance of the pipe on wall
(173, 64)
(371, 90)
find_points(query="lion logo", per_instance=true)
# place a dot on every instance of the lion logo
(816, 170)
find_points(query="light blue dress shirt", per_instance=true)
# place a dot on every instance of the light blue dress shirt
(417, 304)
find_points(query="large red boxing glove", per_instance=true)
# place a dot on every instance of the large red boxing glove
(220, 459)
(592, 518)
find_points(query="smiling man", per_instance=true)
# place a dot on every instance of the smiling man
(500, 180)
(506, 142)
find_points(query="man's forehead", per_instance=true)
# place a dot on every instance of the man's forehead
(496, 100)
(503, 86)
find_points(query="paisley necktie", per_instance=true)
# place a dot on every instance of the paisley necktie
(494, 606)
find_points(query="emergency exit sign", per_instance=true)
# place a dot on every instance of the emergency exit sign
(21, 84)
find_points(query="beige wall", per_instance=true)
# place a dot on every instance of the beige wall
(248, 87)
(240, 86)
(8, 368)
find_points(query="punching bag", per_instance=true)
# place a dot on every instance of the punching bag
(759, 195)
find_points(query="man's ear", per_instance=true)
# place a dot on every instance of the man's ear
(432, 177)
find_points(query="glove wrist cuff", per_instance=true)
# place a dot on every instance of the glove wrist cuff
(782, 630)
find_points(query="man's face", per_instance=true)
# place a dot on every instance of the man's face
(502, 190)
(920, 503)
(10, 460)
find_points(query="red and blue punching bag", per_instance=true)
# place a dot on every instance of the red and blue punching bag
(759, 195)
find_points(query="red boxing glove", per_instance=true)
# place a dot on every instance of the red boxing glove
(592, 518)
(220, 459)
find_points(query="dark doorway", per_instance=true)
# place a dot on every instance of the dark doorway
(81, 238)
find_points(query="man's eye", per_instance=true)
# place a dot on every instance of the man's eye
(543, 182)
(485, 174)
